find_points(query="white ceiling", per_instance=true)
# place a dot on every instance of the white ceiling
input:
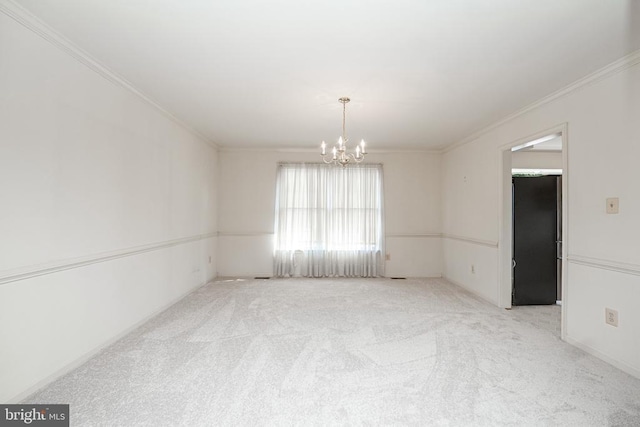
(421, 74)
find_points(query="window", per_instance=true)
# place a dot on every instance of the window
(329, 220)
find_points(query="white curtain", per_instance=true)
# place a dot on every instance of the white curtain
(329, 220)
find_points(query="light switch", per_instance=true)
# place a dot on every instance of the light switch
(612, 205)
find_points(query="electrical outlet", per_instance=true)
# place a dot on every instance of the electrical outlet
(209, 259)
(473, 269)
(613, 205)
(611, 317)
(388, 257)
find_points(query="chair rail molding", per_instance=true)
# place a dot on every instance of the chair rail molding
(24, 273)
(472, 240)
(605, 264)
(414, 235)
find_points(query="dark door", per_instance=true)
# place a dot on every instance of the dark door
(535, 219)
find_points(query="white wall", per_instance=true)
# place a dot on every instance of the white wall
(536, 160)
(246, 211)
(108, 210)
(603, 265)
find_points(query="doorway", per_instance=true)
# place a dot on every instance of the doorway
(541, 147)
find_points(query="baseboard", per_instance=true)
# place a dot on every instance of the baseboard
(472, 291)
(587, 349)
(91, 353)
(592, 351)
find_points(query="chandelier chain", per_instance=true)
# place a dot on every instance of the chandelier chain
(344, 119)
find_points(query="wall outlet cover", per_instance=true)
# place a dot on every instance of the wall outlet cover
(611, 316)
(613, 205)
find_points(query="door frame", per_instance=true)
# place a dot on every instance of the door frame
(505, 235)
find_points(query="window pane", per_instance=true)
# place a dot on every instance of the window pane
(320, 207)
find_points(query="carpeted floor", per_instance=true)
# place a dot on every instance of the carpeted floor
(344, 352)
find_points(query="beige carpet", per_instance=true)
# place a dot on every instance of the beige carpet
(344, 352)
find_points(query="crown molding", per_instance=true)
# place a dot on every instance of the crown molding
(25, 18)
(38, 27)
(621, 64)
(267, 149)
(404, 150)
(316, 150)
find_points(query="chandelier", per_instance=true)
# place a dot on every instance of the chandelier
(339, 154)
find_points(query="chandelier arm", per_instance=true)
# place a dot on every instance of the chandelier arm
(324, 159)
(357, 159)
